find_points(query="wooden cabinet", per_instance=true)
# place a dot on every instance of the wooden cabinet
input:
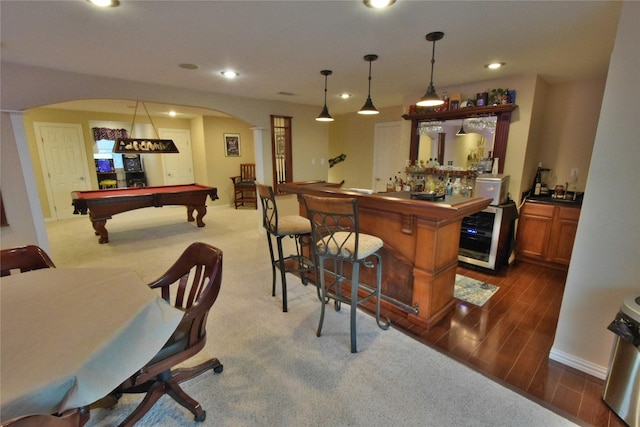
(546, 232)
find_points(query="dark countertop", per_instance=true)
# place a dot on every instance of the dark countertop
(548, 199)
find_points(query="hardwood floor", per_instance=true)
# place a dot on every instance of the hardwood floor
(509, 339)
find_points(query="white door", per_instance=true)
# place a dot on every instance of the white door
(178, 167)
(390, 154)
(64, 164)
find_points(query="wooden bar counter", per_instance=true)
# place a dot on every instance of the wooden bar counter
(420, 252)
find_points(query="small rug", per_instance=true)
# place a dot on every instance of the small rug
(474, 291)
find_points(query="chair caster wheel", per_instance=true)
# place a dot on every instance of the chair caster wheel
(218, 369)
(201, 417)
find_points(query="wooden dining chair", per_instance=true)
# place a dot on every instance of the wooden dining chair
(24, 258)
(244, 186)
(191, 284)
(336, 240)
(72, 418)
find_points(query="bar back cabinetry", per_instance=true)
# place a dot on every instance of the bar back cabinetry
(546, 232)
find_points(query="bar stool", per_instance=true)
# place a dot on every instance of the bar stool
(336, 237)
(293, 226)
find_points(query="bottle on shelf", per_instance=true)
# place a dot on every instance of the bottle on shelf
(390, 185)
(456, 187)
(431, 185)
(537, 182)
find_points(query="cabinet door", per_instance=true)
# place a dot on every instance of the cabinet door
(564, 233)
(534, 230)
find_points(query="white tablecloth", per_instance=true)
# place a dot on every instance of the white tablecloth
(70, 336)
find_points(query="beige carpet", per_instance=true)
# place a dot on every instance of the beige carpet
(276, 371)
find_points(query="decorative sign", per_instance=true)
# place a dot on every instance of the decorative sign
(144, 146)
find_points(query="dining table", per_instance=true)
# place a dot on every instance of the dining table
(70, 336)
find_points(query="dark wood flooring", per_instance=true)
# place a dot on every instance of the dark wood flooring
(509, 339)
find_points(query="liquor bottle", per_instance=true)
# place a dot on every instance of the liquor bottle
(456, 187)
(537, 182)
(390, 185)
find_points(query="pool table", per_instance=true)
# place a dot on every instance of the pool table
(102, 204)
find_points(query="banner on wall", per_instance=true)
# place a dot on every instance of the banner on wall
(145, 146)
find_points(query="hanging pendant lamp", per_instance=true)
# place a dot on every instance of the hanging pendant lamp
(461, 131)
(324, 115)
(368, 107)
(431, 98)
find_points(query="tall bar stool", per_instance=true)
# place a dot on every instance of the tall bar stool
(294, 226)
(336, 237)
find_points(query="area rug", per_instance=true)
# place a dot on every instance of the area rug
(473, 291)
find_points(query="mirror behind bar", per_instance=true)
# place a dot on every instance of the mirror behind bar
(503, 120)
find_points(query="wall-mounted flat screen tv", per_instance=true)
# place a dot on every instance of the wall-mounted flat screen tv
(132, 163)
(104, 166)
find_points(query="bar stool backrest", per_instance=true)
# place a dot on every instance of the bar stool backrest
(334, 225)
(269, 208)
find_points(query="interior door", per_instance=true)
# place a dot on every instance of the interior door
(178, 168)
(64, 164)
(390, 154)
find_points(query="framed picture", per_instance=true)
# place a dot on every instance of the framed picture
(232, 145)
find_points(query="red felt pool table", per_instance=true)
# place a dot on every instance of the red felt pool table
(102, 204)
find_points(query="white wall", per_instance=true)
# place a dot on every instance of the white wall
(604, 266)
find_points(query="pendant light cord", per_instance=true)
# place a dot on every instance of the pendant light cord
(433, 61)
(369, 91)
(325, 90)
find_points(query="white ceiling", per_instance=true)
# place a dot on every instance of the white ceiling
(281, 46)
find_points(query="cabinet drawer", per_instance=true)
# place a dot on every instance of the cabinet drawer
(570, 214)
(538, 209)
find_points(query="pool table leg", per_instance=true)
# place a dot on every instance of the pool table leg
(201, 212)
(99, 227)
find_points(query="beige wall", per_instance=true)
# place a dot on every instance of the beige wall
(604, 267)
(570, 122)
(220, 169)
(353, 135)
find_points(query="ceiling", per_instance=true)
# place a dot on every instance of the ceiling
(280, 47)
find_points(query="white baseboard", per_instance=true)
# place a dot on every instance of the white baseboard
(579, 364)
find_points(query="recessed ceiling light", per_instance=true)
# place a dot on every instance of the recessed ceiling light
(105, 3)
(378, 4)
(189, 66)
(345, 95)
(495, 65)
(230, 74)
(172, 113)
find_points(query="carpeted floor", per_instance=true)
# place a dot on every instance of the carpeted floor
(276, 371)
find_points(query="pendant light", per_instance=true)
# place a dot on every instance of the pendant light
(461, 131)
(368, 107)
(431, 98)
(324, 115)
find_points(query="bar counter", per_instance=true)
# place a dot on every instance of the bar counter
(420, 252)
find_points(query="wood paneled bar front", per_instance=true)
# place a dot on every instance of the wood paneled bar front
(420, 252)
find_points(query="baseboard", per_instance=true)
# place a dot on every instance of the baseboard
(579, 364)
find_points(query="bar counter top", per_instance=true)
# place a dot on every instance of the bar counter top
(421, 241)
